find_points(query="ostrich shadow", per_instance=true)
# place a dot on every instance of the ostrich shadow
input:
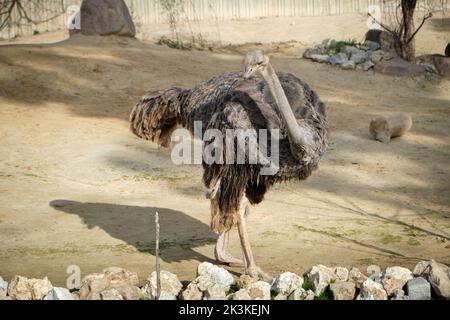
(135, 225)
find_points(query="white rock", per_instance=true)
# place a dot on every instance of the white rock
(59, 294)
(3, 288)
(301, 294)
(341, 273)
(169, 284)
(92, 285)
(286, 283)
(241, 295)
(110, 294)
(319, 277)
(120, 277)
(370, 290)
(373, 269)
(167, 296)
(357, 277)
(209, 274)
(280, 296)
(338, 58)
(22, 288)
(395, 278)
(343, 290)
(245, 280)
(192, 292)
(215, 292)
(440, 280)
(259, 290)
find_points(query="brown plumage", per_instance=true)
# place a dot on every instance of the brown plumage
(229, 101)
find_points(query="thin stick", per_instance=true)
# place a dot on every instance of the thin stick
(158, 266)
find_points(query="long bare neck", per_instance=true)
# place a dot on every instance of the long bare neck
(298, 135)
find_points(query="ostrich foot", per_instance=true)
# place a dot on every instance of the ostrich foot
(258, 273)
(221, 251)
(226, 258)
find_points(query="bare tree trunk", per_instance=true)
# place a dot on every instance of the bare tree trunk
(406, 45)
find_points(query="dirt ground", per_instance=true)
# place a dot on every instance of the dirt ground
(77, 188)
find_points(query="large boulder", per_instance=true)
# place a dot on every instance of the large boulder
(370, 290)
(169, 284)
(343, 290)
(98, 286)
(418, 289)
(286, 283)
(59, 294)
(106, 17)
(319, 277)
(441, 63)
(400, 67)
(395, 278)
(22, 288)
(383, 38)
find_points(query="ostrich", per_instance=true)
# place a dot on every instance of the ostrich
(258, 98)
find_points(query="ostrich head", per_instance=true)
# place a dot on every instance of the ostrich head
(255, 61)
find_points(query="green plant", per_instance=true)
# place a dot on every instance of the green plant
(35, 32)
(172, 9)
(174, 44)
(306, 285)
(325, 295)
(233, 289)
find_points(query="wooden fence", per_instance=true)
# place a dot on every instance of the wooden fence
(145, 12)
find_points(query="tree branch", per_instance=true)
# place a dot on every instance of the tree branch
(381, 24)
(425, 18)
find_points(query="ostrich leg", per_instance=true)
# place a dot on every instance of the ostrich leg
(250, 266)
(221, 250)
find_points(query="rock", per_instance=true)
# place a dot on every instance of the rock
(343, 290)
(215, 292)
(280, 296)
(192, 292)
(395, 278)
(422, 269)
(169, 284)
(3, 288)
(372, 45)
(376, 56)
(319, 277)
(399, 295)
(439, 280)
(22, 288)
(259, 290)
(418, 289)
(357, 277)
(377, 277)
(167, 296)
(59, 294)
(245, 280)
(301, 294)
(401, 273)
(383, 38)
(322, 58)
(129, 292)
(399, 67)
(92, 285)
(341, 273)
(75, 295)
(110, 294)
(338, 58)
(350, 65)
(241, 295)
(312, 51)
(106, 17)
(440, 63)
(97, 285)
(286, 283)
(209, 274)
(373, 269)
(121, 277)
(359, 57)
(352, 50)
(370, 290)
(366, 66)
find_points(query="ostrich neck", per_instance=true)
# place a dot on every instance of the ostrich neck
(296, 133)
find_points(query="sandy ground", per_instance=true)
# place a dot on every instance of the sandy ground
(76, 188)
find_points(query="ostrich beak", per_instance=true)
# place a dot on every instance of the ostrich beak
(248, 73)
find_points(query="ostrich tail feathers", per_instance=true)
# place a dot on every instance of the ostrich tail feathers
(157, 114)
